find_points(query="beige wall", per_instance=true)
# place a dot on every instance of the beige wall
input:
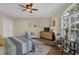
(0, 26)
(57, 27)
(22, 25)
(57, 18)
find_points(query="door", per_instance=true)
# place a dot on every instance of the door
(7, 28)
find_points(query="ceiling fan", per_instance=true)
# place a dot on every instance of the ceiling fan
(28, 7)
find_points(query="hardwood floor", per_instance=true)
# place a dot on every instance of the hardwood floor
(54, 50)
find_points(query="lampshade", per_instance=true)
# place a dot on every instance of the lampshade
(28, 10)
(51, 27)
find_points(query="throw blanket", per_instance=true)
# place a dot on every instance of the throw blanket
(18, 45)
(31, 41)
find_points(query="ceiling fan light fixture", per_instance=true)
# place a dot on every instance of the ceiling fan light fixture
(28, 7)
(28, 10)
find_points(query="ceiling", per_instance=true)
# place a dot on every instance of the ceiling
(44, 9)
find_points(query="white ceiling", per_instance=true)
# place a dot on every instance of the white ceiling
(44, 9)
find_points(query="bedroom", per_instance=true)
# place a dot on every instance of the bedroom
(17, 25)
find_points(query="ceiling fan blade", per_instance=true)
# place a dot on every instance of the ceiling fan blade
(34, 9)
(21, 5)
(24, 10)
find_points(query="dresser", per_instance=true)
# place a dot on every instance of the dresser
(47, 35)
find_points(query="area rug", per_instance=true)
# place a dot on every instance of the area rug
(41, 48)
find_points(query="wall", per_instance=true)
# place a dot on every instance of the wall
(0, 26)
(57, 18)
(22, 25)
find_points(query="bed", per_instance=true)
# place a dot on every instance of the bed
(19, 45)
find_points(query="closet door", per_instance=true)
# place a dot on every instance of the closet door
(7, 28)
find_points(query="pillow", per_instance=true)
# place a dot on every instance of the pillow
(25, 35)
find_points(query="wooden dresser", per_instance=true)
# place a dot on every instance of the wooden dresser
(2, 46)
(47, 35)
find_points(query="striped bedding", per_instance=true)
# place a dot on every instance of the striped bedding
(29, 41)
(18, 45)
